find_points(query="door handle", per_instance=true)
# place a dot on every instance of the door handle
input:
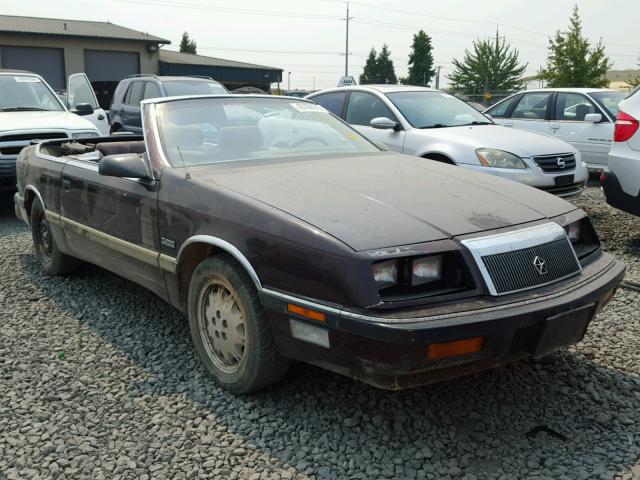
(555, 127)
(66, 185)
(508, 124)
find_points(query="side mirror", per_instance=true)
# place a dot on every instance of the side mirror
(83, 109)
(593, 117)
(383, 123)
(127, 165)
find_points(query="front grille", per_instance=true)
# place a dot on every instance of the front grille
(10, 150)
(564, 190)
(525, 339)
(32, 136)
(564, 162)
(515, 270)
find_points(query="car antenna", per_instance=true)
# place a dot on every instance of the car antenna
(187, 175)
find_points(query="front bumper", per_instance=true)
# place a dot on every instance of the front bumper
(388, 350)
(616, 196)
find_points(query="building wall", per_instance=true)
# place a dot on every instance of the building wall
(74, 49)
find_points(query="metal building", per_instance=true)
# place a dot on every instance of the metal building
(228, 72)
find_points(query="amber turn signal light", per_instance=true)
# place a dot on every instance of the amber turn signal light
(436, 351)
(305, 312)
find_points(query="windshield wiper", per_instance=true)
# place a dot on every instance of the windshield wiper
(24, 109)
(437, 125)
(475, 122)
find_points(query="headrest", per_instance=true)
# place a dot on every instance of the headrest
(114, 148)
(245, 138)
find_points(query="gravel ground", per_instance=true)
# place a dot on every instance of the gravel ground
(99, 381)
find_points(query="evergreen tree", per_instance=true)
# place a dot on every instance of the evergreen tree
(386, 72)
(370, 73)
(420, 61)
(187, 45)
(571, 62)
(493, 66)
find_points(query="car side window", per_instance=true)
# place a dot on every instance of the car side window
(573, 107)
(151, 90)
(135, 94)
(334, 101)
(500, 110)
(532, 106)
(363, 107)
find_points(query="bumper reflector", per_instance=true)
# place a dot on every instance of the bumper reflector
(436, 351)
(309, 333)
(305, 312)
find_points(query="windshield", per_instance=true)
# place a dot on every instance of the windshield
(175, 88)
(215, 130)
(609, 101)
(24, 93)
(436, 110)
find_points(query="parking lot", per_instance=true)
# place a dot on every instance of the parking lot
(100, 380)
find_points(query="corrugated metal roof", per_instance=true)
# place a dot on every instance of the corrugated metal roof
(168, 56)
(73, 28)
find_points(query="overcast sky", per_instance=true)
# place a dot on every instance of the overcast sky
(306, 37)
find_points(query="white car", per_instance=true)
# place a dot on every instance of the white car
(80, 92)
(30, 110)
(621, 179)
(435, 125)
(582, 117)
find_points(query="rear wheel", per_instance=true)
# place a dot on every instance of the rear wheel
(229, 327)
(53, 261)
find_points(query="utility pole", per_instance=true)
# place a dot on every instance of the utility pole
(289, 81)
(438, 78)
(346, 49)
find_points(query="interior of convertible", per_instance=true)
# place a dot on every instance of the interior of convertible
(215, 130)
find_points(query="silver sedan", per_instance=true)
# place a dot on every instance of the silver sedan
(438, 126)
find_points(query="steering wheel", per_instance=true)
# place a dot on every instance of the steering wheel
(299, 143)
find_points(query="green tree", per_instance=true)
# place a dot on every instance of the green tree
(420, 61)
(492, 66)
(386, 72)
(571, 62)
(634, 82)
(187, 45)
(370, 73)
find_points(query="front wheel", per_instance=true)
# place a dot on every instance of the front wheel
(229, 327)
(53, 261)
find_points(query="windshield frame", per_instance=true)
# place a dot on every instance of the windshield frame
(595, 96)
(481, 121)
(154, 138)
(63, 107)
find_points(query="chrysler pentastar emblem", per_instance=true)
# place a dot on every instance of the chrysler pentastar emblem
(561, 163)
(540, 264)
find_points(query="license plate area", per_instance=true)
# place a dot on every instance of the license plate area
(562, 180)
(564, 329)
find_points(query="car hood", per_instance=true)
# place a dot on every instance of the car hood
(519, 142)
(386, 199)
(12, 121)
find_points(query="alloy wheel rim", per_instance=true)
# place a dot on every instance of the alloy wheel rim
(221, 322)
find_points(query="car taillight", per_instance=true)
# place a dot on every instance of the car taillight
(625, 127)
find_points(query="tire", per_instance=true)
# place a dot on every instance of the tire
(53, 261)
(229, 327)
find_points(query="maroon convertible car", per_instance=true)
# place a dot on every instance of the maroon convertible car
(284, 234)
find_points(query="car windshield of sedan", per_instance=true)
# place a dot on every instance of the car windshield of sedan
(26, 93)
(201, 131)
(609, 101)
(436, 110)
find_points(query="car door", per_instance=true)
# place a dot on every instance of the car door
(130, 109)
(112, 222)
(531, 112)
(79, 90)
(592, 140)
(362, 107)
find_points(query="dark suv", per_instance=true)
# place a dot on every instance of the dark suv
(124, 115)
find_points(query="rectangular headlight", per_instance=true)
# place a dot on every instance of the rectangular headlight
(426, 270)
(385, 273)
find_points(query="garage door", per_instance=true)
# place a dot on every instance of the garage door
(47, 62)
(110, 66)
